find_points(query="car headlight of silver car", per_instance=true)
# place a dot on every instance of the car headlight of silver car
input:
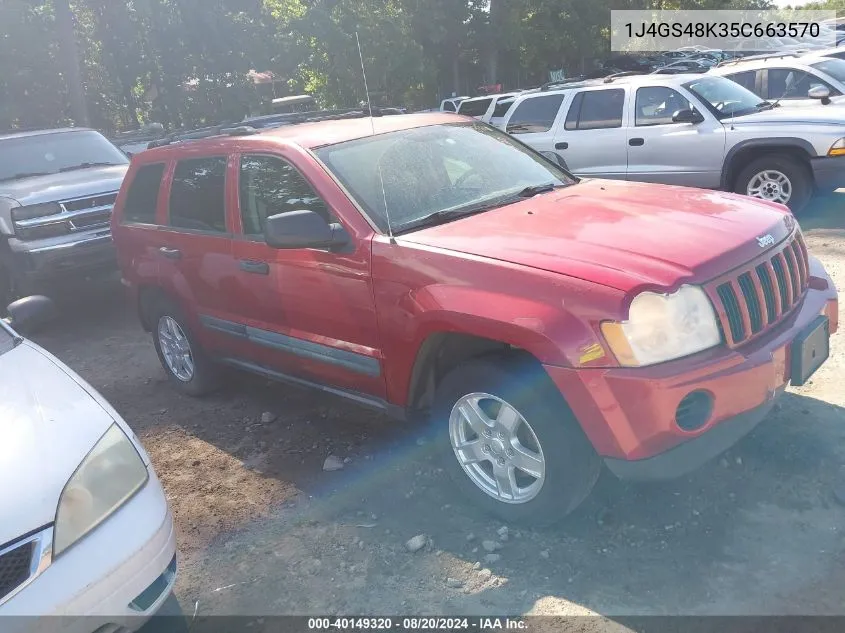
(109, 475)
(663, 327)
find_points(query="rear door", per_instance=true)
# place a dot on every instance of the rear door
(533, 120)
(659, 150)
(592, 138)
(307, 312)
(195, 246)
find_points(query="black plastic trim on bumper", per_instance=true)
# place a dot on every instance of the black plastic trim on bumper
(694, 453)
(829, 172)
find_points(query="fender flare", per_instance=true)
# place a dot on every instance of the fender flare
(762, 143)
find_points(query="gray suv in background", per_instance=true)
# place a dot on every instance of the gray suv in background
(57, 189)
(694, 130)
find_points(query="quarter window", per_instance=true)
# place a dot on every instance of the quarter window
(142, 197)
(533, 115)
(474, 107)
(269, 186)
(656, 105)
(197, 196)
(596, 110)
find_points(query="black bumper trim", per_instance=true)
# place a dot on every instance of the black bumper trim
(694, 453)
(828, 172)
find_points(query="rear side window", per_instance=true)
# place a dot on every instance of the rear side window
(269, 186)
(502, 107)
(537, 114)
(474, 108)
(745, 79)
(449, 106)
(596, 110)
(142, 197)
(197, 196)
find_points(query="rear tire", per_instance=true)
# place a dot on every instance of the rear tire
(567, 469)
(187, 365)
(776, 177)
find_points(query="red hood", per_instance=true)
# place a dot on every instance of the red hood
(619, 234)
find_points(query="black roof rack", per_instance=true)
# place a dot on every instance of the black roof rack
(562, 82)
(254, 125)
(739, 60)
(625, 73)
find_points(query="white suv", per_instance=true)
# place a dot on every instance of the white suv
(694, 130)
(786, 78)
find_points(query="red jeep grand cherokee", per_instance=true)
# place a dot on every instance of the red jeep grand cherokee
(433, 265)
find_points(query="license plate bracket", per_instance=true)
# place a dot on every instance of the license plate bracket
(810, 349)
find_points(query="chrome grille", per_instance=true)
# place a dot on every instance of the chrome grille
(78, 214)
(759, 295)
(15, 567)
(23, 561)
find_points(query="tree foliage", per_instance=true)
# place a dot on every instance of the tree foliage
(186, 62)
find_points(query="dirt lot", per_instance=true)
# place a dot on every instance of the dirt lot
(264, 530)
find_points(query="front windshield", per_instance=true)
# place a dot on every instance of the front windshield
(725, 98)
(834, 67)
(439, 169)
(52, 153)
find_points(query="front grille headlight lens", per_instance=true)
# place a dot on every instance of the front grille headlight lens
(663, 327)
(106, 479)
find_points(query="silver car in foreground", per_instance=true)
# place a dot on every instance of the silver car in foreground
(694, 130)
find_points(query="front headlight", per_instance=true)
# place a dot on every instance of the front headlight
(663, 327)
(108, 476)
(837, 149)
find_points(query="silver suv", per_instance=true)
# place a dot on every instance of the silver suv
(694, 130)
(788, 79)
(57, 189)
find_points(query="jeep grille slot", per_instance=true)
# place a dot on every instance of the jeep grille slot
(759, 295)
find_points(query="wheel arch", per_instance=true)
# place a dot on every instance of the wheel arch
(746, 151)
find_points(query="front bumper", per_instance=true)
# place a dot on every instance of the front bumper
(106, 578)
(54, 260)
(629, 414)
(828, 172)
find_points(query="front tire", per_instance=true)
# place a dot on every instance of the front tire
(188, 367)
(510, 443)
(778, 178)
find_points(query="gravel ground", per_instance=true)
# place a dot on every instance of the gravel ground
(263, 529)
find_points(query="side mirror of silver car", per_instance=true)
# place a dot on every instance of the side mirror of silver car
(822, 93)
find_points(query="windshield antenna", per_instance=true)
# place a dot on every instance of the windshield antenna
(373, 129)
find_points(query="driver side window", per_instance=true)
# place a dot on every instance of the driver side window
(655, 105)
(786, 83)
(269, 186)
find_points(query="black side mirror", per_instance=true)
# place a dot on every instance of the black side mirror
(556, 159)
(687, 116)
(303, 229)
(29, 314)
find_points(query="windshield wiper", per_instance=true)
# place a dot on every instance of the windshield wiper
(438, 217)
(767, 105)
(530, 192)
(26, 174)
(85, 166)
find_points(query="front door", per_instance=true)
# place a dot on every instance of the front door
(689, 154)
(307, 312)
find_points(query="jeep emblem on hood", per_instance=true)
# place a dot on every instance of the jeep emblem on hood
(765, 240)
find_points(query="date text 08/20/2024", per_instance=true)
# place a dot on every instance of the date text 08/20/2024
(416, 624)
